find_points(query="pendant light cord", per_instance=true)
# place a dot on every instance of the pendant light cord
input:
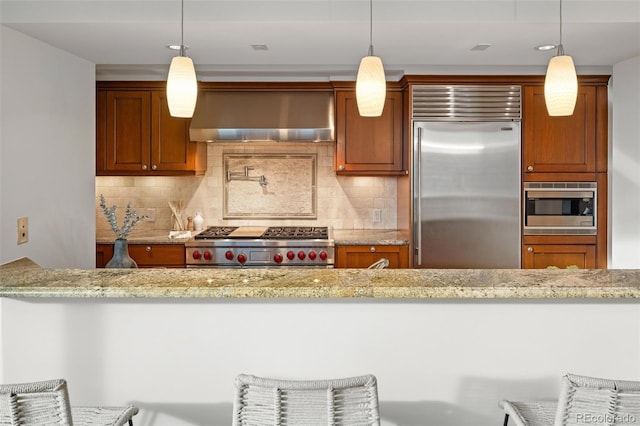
(182, 50)
(560, 46)
(370, 28)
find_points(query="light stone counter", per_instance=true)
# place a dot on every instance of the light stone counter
(140, 237)
(393, 237)
(317, 283)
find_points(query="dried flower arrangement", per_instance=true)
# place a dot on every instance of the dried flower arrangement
(131, 219)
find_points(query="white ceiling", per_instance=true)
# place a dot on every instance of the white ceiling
(325, 39)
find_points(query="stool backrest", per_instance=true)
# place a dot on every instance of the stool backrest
(590, 400)
(349, 401)
(35, 404)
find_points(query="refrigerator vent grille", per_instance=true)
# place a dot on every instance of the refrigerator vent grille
(560, 185)
(466, 103)
(560, 231)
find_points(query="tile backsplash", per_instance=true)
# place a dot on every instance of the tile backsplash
(344, 202)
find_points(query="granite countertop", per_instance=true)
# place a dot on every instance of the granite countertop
(393, 237)
(140, 237)
(340, 236)
(22, 280)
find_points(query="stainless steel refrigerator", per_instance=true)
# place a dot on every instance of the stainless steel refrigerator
(466, 187)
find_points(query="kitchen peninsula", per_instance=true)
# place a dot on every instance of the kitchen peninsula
(318, 283)
(445, 345)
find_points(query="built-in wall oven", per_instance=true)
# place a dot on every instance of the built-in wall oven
(560, 208)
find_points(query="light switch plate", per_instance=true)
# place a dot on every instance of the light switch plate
(23, 230)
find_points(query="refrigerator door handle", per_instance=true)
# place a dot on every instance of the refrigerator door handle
(418, 194)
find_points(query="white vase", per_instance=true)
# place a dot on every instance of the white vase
(198, 222)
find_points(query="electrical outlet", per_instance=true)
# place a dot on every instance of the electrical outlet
(377, 215)
(23, 230)
(151, 215)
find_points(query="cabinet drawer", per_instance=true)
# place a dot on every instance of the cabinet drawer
(361, 256)
(146, 255)
(157, 254)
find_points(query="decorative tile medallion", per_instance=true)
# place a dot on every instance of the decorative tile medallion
(270, 186)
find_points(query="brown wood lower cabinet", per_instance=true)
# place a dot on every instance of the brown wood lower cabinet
(540, 256)
(146, 255)
(361, 256)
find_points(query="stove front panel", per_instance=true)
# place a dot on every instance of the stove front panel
(230, 254)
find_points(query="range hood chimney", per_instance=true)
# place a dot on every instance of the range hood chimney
(263, 116)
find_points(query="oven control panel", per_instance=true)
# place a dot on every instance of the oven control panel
(238, 257)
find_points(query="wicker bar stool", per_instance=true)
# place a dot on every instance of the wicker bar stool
(47, 403)
(348, 402)
(583, 400)
(382, 263)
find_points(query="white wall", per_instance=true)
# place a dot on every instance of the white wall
(624, 172)
(438, 363)
(47, 149)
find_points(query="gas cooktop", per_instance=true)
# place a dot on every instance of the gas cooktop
(266, 233)
(261, 246)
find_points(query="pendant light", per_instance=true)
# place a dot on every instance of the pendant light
(182, 86)
(371, 84)
(561, 82)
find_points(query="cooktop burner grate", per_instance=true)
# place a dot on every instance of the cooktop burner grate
(271, 233)
(215, 232)
(296, 233)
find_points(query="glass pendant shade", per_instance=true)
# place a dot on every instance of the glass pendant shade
(371, 87)
(182, 87)
(561, 86)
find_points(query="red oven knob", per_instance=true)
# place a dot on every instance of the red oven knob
(207, 255)
(278, 258)
(323, 255)
(301, 255)
(312, 255)
(228, 255)
(242, 258)
(196, 255)
(290, 255)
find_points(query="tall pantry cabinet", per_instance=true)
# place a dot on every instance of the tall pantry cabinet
(567, 149)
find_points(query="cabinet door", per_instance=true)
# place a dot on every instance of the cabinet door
(369, 145)
(170, 147)
(128, 133)
(540, 256)
(146, 255)
(136, 135)
(362, 256)
(559, 144)
(104, 253)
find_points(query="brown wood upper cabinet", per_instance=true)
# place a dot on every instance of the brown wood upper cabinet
(559, 144)
(369, 145)
(136, 135)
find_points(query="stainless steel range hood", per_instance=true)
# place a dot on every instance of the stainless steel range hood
(263, 116)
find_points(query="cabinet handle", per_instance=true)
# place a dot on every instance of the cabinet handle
(530, 249)
(529, 168)
(154, 167)
(372, 249)
(144, 167)
(148, 248)
(340, 167)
